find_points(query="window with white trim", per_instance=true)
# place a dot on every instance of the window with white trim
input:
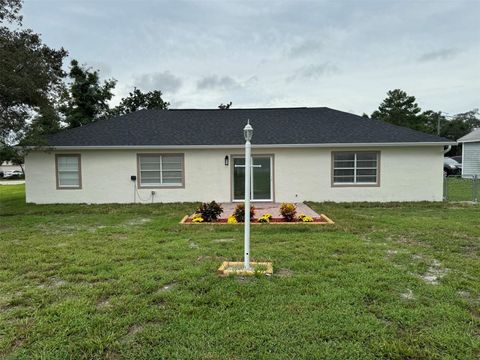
(68, 172)
(355, 168)
(157, 170)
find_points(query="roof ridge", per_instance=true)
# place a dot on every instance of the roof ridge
(260, 108)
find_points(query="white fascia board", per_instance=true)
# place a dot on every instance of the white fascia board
(468, 141)
(329, 145)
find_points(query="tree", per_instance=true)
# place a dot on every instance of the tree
(223, 106)
(30, 77)
(433, 121)
(9, 153)
(85, 99)
(47, 122)
(461, 124)
(398, 108)
(30, 73)
(9, 11)
(137, 100)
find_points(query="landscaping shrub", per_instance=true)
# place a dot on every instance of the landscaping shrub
(265, 218)
(305, 218)
(231, 220)
(288, 211)
(239, 212)
(210, 211)
(197, 218)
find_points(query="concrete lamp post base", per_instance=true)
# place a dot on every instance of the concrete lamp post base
(238, 268)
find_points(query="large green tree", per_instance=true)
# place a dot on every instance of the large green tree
(30, 74)
(86, 98)
(460, 124)
(138, 100)
(432, 121)
(399, 108)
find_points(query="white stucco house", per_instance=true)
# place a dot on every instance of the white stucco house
(471, 154)
(316, 154)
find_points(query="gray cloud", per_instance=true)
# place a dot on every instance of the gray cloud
(442, 54)
(306, 47)
(104, 69)
(164, 81)
(313, 71)
(215, 82)
(200, 38)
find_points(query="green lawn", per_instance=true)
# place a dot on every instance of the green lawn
(460, 189)
(398, 281)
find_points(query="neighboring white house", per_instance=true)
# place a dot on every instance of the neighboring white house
(471, 154)
(316, 154)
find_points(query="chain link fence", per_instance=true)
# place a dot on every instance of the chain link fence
(458, 188)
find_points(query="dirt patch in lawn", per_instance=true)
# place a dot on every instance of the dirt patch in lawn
(284, 273)
(434, 273)
(52, 283)
(137, 221)
(408, 295)
(168, 286)
(221, 241)
(103, 304)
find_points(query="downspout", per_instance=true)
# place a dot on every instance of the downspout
(449, 147)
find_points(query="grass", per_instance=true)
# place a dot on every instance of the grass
(389, 281)
(460, 189)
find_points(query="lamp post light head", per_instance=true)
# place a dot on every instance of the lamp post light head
(248, 131)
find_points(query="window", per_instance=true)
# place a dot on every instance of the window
(69, 175)
(159, 170)
(355, 168)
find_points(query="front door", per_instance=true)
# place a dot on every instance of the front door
(262, 179)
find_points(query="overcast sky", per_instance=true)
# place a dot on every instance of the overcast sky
(341, 54)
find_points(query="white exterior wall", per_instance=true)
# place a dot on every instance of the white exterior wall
(406, 174)
(471, 159)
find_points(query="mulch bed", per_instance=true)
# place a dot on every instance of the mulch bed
(322, 220)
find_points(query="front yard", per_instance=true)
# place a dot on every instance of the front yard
(127, 281)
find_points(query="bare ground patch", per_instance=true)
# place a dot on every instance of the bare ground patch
(103, 304)
(53, 282)
(434, 273)
(168, 286)
(408, 295)
(284, 273)
(221, 241)
(137, 221)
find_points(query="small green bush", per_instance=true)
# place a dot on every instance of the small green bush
(209, 211)
(288, 211)
(239, 212)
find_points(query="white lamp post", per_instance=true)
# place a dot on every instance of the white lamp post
(247, 133)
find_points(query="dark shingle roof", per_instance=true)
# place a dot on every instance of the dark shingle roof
(224, 127)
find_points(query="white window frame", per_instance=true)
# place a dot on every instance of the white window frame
(58, 171)
(355, 168)
(160, 185)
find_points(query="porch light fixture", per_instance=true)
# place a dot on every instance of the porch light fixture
(248, 131)
(226, 160)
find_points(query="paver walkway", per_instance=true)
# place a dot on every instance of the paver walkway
(267, 207)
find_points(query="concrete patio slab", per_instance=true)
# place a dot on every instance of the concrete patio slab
(268, 207)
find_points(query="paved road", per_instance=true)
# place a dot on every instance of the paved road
(12, 182)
